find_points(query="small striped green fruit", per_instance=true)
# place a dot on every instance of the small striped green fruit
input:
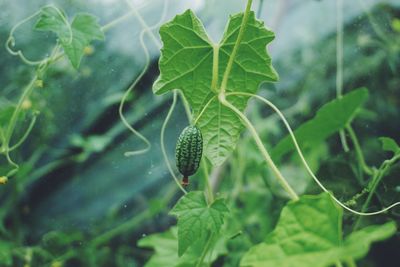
(189, 150)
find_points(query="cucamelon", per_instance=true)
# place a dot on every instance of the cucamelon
(188, 152)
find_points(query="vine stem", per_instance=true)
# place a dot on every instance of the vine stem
(260, 146)
(236, 47)
(205, 250)
(122, 228)
(375, 182)
(13, 121)
(351, 263)
(207, 181)
(210, 192)
(300, 153)
(162, 142)
(148, 30)
(26, 134)
(357, 147)
(339, 63)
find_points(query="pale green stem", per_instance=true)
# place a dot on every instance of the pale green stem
(116, 21)
(132, 223)
(14, 118)
(376, 179)
(123, 228)
(205, 250)
(203, 162)
(338, 264)
(162, 142)
(235, 48)
(207, 181)
(11, 40)
(204, 109)
(144, 24)
(310, 172)
(26, 134)
(148, 30)
(339, 63)
(359, 153)
(351, 263)
(261, 147)
(214, 81)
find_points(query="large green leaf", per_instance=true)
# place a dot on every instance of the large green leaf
(84, 30)
(309, 233)
(165, 246)
(330, 118)
(196, 218)
(186, 63)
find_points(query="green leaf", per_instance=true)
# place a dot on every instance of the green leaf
(196, 218)
(73, 37)
(54, 20)
(6, 257)
(84, 30)
(388, 144)
(186, 63)
(330, 118)
(309, 233)
(165, 246)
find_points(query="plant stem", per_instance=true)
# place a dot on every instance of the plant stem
(123, 228)
(26, 134)
(351, 263)
(376, 179)
(261, 147)
(205, 250)
(259, 10)
(339, 63)
(144, 24)
(359, 153)
(207, 181)
(162, 143)
(13, 121)
(235, 48)
(310, 172)
(116, 21)
(338, 264)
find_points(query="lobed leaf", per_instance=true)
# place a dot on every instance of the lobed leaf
(84, 30)
(186, 63)
(196, 218)
(54, 20)
(73, 37)
(388, 144)
(330, 118)
(165, 246)
(309, 233)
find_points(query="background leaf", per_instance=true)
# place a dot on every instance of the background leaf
(54, 20)
(196, 218)
(73, 37)
(165, 245)
(185, 38)
(330, 118)
(309, 233)
(84, 30)
(388, 144)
